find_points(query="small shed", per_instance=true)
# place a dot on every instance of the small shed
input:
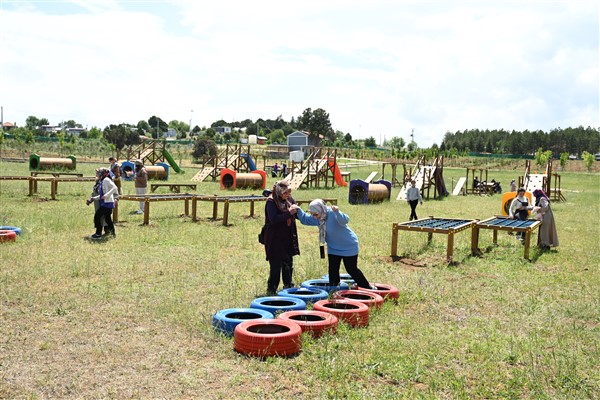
(297, 140)
(261, 140)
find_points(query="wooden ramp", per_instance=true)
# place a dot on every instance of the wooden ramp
(459, 186)
(418, 177)
(534, 181)
(371, 177)
(298, 179)
(202, 174)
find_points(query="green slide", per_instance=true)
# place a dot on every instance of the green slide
(172, 162)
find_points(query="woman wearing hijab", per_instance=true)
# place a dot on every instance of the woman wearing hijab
(281, 236)
(342, 242)
(547, 235)
(519, 209)
(106, 196)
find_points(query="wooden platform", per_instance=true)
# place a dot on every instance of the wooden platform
(173, 187)
(500, 223)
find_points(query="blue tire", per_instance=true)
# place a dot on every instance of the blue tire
(11, 228)
(343, 278)
(275, 304)
(225, 321)
(308, 295)
(324, 284)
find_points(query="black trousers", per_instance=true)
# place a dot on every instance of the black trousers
(283, 267)
(351, 265)
(107, 214)
(413, 209)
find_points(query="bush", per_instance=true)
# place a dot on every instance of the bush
(204, 147)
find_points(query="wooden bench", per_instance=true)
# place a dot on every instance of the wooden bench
(55, 174)
(346, 175)
(173, 187)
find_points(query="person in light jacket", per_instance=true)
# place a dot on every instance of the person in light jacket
(342, 242)
(519, 209)
(413, 197)
(106, 196)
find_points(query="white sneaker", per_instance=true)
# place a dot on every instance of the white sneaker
(139, 212)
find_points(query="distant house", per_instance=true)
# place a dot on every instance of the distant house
(171, 133)
(297, 140)
(222, 129)
(50, 128)
(7, 126)
(261, 140)
(75, 131)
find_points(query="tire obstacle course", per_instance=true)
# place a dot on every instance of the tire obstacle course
(37, 163)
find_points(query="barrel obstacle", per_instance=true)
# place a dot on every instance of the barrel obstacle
(231, 179)
(159, 171)
(37, 163)
(362, 192)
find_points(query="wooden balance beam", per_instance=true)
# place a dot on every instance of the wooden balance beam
(151, 198)
(500, 223)
(226, 200)
(173, 187)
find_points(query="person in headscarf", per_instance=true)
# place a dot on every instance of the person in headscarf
(281, 237)
(106, 196)
(519, 209)
(342, 242)
(547, 236)
(141, 182)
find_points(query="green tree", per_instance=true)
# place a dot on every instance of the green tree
(94, 133)
(157, 126)
(588, 159)
(542, 157)
(370, 142)
(316, 123)
(563, 160)
(277, 136)
(204, 147)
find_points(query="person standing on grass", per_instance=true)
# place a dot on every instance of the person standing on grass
(106, 196)
(281, 237)
(547, 236)
(141, 182)
(342, 242)
(519, 209)
(115, 173)
(413, 197)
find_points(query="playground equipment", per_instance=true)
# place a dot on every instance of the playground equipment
(159, 171)
(363, 192)
(151, 152)
(505, 224)
(426, 177)
(394, 166)
(37, 163)
(549, 182)
(319, 167)
(54, 180)
(431, 225)
(233, 180)
(473, 186)
(234, 157)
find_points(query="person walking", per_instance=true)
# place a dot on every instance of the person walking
(547, 235)
(115, 173)
(341, 241)
(281, 237)
(519, 209)
(106, 196)
(141, 182)
(413, 197)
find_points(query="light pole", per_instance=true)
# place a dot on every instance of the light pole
(191, 114)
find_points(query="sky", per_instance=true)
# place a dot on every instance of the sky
(380, 68)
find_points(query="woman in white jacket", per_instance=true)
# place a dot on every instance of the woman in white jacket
(108, 190)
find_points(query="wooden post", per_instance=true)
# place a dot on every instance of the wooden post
(146, 211)
(527, 243)
(495, 236)
(252, 208)
(187, 207)
(225, 212)
(394, 239)
(450, 249)
(215, 209)
(116, 212)
(53, 188)
(474, 239)
(194, 208)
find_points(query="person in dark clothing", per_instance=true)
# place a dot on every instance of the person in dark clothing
(519, 209)
(281, 237)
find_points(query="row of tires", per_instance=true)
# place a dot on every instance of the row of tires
(9, 233)
(257, 332)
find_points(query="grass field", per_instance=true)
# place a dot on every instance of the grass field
(131, 317)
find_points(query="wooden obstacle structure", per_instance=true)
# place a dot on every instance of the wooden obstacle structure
(549, 182)
(233, 180)
(173, 187)
(37, 163)
(431, 225)
(152, 152)
(394, 178)
(481, 174)
(54, 181)
(426, 177)
(320, 167)
(499, 223)
(159, 171)
(234, 157)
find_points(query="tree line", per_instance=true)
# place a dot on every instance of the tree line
(570, 140)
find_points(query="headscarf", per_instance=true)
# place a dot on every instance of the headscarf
(318, 206)
(279, 189)
(103, 173)
(539, 194)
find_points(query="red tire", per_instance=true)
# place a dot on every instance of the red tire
(351, 312)
(8, 236)
(311, 321)
(388, 292)
(267, 337)
(370, 299)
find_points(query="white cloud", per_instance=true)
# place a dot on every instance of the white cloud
(379, 68)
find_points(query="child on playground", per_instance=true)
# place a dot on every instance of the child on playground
(519, 209)
(342, 242)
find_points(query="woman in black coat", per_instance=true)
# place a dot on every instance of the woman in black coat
(281, 237)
